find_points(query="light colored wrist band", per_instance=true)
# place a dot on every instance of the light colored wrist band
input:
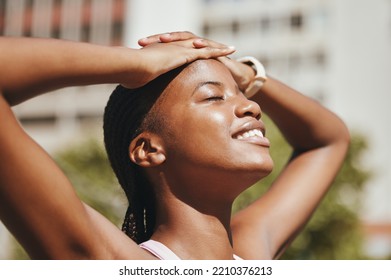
(259, 78)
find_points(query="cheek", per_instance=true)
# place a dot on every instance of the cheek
(199, 132)
(210, 123)
(216, 117)
(210, 127)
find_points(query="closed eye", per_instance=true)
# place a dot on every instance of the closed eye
(215, 98)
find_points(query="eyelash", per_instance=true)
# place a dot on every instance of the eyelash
(215, 98)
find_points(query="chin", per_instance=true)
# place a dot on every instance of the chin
(253, 174)
(263, 165)
(261, 170)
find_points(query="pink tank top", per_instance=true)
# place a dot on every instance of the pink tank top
(162, 252)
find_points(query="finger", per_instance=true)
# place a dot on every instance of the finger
(149, 40)
(210, 52)
(190, 43)
(177, 36)
(201, 43)
(166, 38)
(241, 73)
(229, 63)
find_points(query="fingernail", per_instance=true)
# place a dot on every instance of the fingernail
(199, 40)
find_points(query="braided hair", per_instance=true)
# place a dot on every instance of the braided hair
(128, 113)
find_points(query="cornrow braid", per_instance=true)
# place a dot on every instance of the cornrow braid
(128, 113)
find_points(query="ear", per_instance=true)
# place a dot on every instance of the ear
(147, 150)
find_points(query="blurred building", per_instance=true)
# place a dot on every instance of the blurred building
(54, 119)
(338, 52)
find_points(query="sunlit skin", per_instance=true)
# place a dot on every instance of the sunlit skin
(205, 165)
(211, 147)
(206, 113)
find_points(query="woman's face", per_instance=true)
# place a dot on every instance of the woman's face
(213, 131)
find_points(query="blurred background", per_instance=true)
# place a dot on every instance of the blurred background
(337, 52)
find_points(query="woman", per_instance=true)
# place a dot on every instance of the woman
(190, 141)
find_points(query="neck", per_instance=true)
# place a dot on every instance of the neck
(194, 234)
(193, 218)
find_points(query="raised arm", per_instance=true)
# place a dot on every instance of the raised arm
(34, 66)
(37, 202)
(320, 141)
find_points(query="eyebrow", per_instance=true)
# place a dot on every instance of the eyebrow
(206, 83)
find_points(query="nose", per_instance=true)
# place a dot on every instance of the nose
(246, 107)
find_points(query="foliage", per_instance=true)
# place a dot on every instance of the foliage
(334, 230)
(88, 168)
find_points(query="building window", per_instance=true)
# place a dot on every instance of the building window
(86, 21)
(319, 59)
(206, 29)
(219, 28)
(38, 120)
(86, 32)
(116, 32)
(235, 27)
(2, 16)
(57, 3)
(56, 19)
(265, 24)
(56, 32)
(296, 21)
(29, 4)
(117, 26)
(27, 18)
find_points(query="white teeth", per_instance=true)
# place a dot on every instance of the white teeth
(251, 133)
(259, 133)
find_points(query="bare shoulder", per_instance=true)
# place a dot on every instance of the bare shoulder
(250, 234)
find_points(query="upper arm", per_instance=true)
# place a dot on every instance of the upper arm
(39, 205)
(264, 228)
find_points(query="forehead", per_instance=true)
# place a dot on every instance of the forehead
(202, 71)
(207, 65)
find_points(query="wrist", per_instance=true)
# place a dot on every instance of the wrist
(130, 68)
(259, 78)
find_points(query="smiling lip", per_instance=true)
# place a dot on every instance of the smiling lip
(252, 132)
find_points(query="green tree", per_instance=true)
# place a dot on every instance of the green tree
(87, 167)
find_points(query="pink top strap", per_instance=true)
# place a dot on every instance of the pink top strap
(162, 252)
(159, 250)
